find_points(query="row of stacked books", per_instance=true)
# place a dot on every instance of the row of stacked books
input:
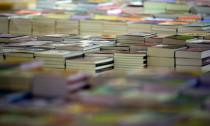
(126, 52)
(38, 97)
(58, 52)
(39, 23)
(176, 6)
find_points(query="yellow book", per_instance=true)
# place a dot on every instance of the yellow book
(105, 17)
(17, 59)
(58, 16)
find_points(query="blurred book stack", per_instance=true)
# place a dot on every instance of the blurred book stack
(139, 27)
(67, 27)
(53, 37)
(91, 27)
(20, 25)
(196, 27)
(177, 39)
(129, 61)
(82, 47)
(4, 24)
(56, 59)
(154, 7)
(165, 29)
(20, 55)
(193, 59)
(8, 38)
(91, 64)
(1, 56)
(162, 56)
(178, 8)
(134, 38)
(43, 26)
(114, 28)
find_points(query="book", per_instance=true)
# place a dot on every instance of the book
(200, 10)
(154, 7)
(67, 27)
(58, 53)
(156, 39)
(4, 24)
(43, 26)
(91, 64)
(129, 61)
(91, 27)
(178, 8)
(177, 39)
(77, 46)
(134, 38)
(7, 38)
(199, 43)
(56, 58)
(139, 27)
(161, 61)
(116, 48)
(53, 37)
(192, 61)
(203, 69)
(15, 81)
(114, 28)
(194, 53)
(164, 50)
(196, 27)
(169, 29)
(22, 26)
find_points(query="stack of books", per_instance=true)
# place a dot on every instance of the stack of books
(115, 48)
(67, 27)
(53, 37)
(193, 59)
(156, 40)
(46, 4)
(129, 61)
(20, 55)
(196, 27)
(198, 43)
(1, 57)
(178, 8)
(4, 24)
(82, 47)
(154, 7)
(177, 39)
(200, 9)
(43, 26)
(91, 27)
(134, 38)
(20, 25)
(139, 27)
(56, 58)
(162, 56)
(114, 28)
(165, 29)
(91, 64)
(8, 38)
